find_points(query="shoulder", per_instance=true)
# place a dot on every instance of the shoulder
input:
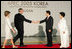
(6, 18)
(64, 20)
(51, 17)
(17, 14)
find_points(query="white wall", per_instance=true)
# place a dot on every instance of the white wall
(38, 14)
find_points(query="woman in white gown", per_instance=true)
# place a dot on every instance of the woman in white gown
(8, 29)
(63, 29)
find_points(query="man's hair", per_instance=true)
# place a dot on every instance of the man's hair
(6, 13)
(48, 12)
(19, 9)
(62, 14)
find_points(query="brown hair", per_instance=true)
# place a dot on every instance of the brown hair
(6, 13)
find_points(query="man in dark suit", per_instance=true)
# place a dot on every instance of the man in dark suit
(18, 21)
(49, 27)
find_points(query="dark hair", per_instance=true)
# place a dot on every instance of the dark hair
(20, 9)
(6, 13)
(62, 14)
(48, 12)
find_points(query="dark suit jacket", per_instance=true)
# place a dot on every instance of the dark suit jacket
(18, 21)
(49, 23)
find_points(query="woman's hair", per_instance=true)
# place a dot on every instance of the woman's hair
(6, 13)
(62, 14)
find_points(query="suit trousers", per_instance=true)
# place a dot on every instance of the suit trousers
(49, 37)
(19, 35)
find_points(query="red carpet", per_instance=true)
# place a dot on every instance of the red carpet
(38, 46)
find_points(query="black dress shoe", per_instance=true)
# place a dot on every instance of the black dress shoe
(48, 45)
(22, 45)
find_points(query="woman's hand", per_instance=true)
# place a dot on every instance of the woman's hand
(13, 30)
(63, 32)
(58, 30)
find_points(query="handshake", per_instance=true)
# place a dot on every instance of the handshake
(35, 22)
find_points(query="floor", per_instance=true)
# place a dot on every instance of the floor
(34, 40)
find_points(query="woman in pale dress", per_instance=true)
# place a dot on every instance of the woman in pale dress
(63, 29)
(8, 29)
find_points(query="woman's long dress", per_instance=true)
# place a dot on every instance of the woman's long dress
(64, 36)
(8, 26)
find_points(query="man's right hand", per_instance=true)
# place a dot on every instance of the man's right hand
(35, 22)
